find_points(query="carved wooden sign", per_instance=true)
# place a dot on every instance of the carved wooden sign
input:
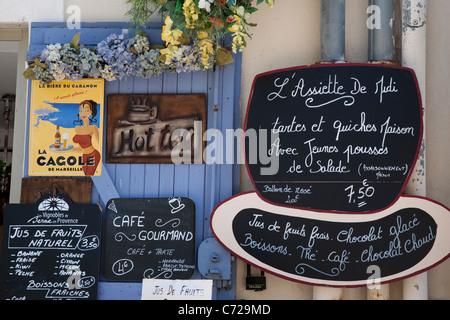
(155, 128)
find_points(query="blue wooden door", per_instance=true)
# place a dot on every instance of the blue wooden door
(205, 184)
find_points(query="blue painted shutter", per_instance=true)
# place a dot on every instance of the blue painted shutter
(154, 180)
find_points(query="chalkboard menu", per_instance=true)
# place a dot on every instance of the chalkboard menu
(149, 238)
(335, 249)
(51, 250)
(333, 137)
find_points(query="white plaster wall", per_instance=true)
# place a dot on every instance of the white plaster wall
(31, 10)
(438, 126)
(99, 10)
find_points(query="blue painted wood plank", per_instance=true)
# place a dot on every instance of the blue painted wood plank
(110, 88)
(137, 171)
(211, 169)
(227, 122)
(155, 85)
(96, 198)
(37, 35)
(105, 186)
(166, 174)
(123, 171)
(42, 36)
(151, 180)
(93, 36)
(35, 50)
(166, 180)
(197, 173)
(181, 183)
(170, 83)
(152, 171)
(119, 291)
(237, 114)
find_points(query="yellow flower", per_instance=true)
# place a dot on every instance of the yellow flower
(238, 29)
(190, 13)
(206, 48)
(202, 34)
(237, 25)
(168, 35)
(169, 53)
(270, 3)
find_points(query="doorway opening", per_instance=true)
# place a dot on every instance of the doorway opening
(8, 79)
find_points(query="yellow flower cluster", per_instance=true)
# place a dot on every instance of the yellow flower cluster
(171, 38)
(190, 13)
(168, 35)
(206, 48)
(238, 29)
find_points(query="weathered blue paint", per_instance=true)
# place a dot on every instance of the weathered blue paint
(159, 180)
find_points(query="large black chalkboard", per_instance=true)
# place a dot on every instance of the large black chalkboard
(338, 137)
(336, 251)
(149, 238)
(51, 250)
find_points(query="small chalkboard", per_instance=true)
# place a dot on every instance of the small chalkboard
(149, 238)
(51, 250)
(333, 137)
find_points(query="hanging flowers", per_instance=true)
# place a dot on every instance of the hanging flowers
(238, 28)
(190, 14)
(215, 17)
(168, 35)
(119, 56)
(193, 33)
(206, 48)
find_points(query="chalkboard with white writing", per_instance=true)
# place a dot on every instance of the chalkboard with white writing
(335, 249)
(149, 238)
(333, 137)
(51, 250)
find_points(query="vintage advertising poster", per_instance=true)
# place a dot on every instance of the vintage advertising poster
(66, 128)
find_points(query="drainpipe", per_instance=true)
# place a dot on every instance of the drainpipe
(414, 30)
(332, 38)
(381, 50)
(381, 31)
(332, 30)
